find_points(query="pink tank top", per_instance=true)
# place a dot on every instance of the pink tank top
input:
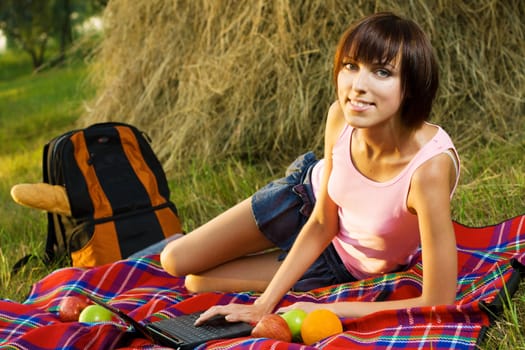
(377, 233)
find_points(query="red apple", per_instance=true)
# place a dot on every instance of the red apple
(70, 308)
(272, 326)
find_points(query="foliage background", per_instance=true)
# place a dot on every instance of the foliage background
(40, 27)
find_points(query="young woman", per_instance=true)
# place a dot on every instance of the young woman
(381, 191)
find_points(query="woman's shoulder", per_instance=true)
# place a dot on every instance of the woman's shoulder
(335, 112)
(436, 131)
(438, 161)
(335, 123)
(335, 120)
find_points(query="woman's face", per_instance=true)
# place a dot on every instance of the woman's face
(369, 94)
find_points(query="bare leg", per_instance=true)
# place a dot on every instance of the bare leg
(229, 236)
(247, 273)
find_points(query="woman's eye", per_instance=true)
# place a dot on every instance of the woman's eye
(350, 66)
(383, 73)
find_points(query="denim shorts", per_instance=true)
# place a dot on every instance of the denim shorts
(281, 209)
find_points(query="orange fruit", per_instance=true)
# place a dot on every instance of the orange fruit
(320, 324)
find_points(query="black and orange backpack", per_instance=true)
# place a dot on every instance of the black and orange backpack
(117, 190)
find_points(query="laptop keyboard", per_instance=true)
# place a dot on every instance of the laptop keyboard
(183, 326)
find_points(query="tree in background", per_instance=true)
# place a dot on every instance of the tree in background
(28, 24)
(63, 28)
(32, 25)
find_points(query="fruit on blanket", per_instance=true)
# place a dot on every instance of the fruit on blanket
(70, 308)
(272, 326)
(294, 318)
(320, 324)
(95, 313)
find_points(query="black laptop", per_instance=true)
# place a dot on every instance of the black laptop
(179, 332)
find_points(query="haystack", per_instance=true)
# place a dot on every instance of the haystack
(210, 79)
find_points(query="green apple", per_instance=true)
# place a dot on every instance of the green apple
(95, 313)
(294, 318)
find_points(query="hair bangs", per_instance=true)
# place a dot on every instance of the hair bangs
(373, 45)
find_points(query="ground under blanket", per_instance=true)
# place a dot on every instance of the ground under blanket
(490, 261)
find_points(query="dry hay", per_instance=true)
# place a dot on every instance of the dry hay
(209, 79)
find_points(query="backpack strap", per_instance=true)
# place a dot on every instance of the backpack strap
(51, 240)
(22, 262)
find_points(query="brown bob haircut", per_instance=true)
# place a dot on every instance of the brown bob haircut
(385, 37)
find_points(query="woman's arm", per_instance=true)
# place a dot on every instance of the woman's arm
(430, 199)
(314, 237)
(318, 231)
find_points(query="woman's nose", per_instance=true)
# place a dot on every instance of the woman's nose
(360, 81)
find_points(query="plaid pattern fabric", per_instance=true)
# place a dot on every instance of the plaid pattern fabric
(490, 261)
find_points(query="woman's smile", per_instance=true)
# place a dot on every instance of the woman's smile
(360, 105)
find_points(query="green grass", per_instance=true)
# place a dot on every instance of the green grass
(37, 107)
(14, 64)
(492, 184)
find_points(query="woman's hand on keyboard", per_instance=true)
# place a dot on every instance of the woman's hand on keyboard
(234, 313)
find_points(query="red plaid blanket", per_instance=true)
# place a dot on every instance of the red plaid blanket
(490, 261)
